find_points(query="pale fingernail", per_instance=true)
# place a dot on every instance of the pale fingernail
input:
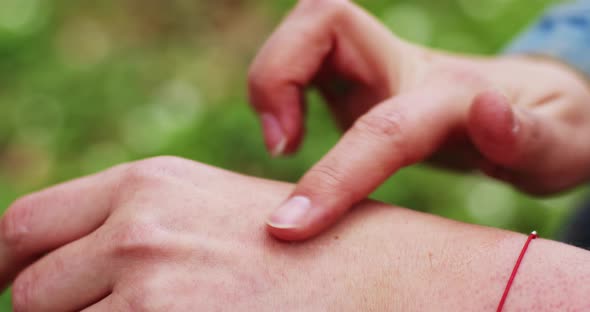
(279, 148)
(274, 136)
(512, 110)
(517, 112)
(291, 213)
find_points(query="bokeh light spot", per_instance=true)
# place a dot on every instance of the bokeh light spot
(484, 10)
(83, 42)
(38, 119)
(491, 203)
(410, 21)
(19, 16)
(174, 107)
(459, 42)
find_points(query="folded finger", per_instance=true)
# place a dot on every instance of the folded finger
(67, 279)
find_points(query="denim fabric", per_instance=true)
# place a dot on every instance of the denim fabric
(577, 230)
(562, 32)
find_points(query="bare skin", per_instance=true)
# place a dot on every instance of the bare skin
(168, 234)
(522, 120)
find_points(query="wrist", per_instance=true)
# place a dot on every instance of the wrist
(397, 259)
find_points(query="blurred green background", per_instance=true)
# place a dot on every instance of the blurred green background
(85, 85)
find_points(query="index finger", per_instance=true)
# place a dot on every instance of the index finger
(397, 133)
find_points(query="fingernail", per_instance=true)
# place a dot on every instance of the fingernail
(516, 113)
(274, 136)
(279, 148)
(512, 113)
(291, 213)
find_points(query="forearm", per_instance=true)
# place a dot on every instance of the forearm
(409, 261)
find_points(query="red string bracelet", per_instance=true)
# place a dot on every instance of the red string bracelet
(532, 236)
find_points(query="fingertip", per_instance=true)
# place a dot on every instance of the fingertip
(279, 148)
(493, 125)
(292, 143)
(288, 234)
(293, 124)
(282, 136)
(294, 211)
(275, 138)
(491, 117)
(294, 220)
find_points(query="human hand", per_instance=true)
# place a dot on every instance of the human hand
(167, 234)
(522, 120)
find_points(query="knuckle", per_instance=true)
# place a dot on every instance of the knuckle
(380, 125)
(159, 173)
(165, 166)
(329, 180)
(459, 75)
(266, 75)
(153, 171)
(256, 78)
(137, 239)
(164, 160)
(136, 178)
(159, 165)
(390, 128)
(139, 172)
(336, 8)
(263, 80)
(274, 85)
(14, 223)
(328, 175)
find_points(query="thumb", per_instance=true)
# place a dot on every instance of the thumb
(394, 134)
(520, 146)
(493, 127)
